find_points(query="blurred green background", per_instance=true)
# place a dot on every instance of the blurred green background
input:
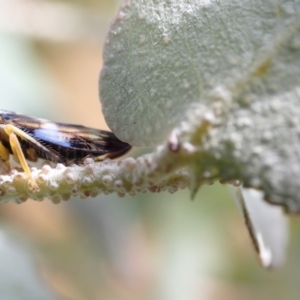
(155, 246)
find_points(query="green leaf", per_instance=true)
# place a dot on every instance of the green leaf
(267, 226)
(176, 62)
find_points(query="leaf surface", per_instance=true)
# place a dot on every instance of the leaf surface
(239, 60)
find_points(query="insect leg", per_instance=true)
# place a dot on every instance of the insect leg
(12, 132)
(4, 155)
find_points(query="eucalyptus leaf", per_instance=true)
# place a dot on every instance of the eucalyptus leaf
(266, 224)
(239, 60)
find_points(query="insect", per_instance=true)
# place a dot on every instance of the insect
(29, 138)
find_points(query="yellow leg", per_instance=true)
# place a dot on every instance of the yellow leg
(4, 155)
(17, 151)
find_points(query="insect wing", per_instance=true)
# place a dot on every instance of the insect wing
(61, 142)
(28, 141)
(80, 138)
